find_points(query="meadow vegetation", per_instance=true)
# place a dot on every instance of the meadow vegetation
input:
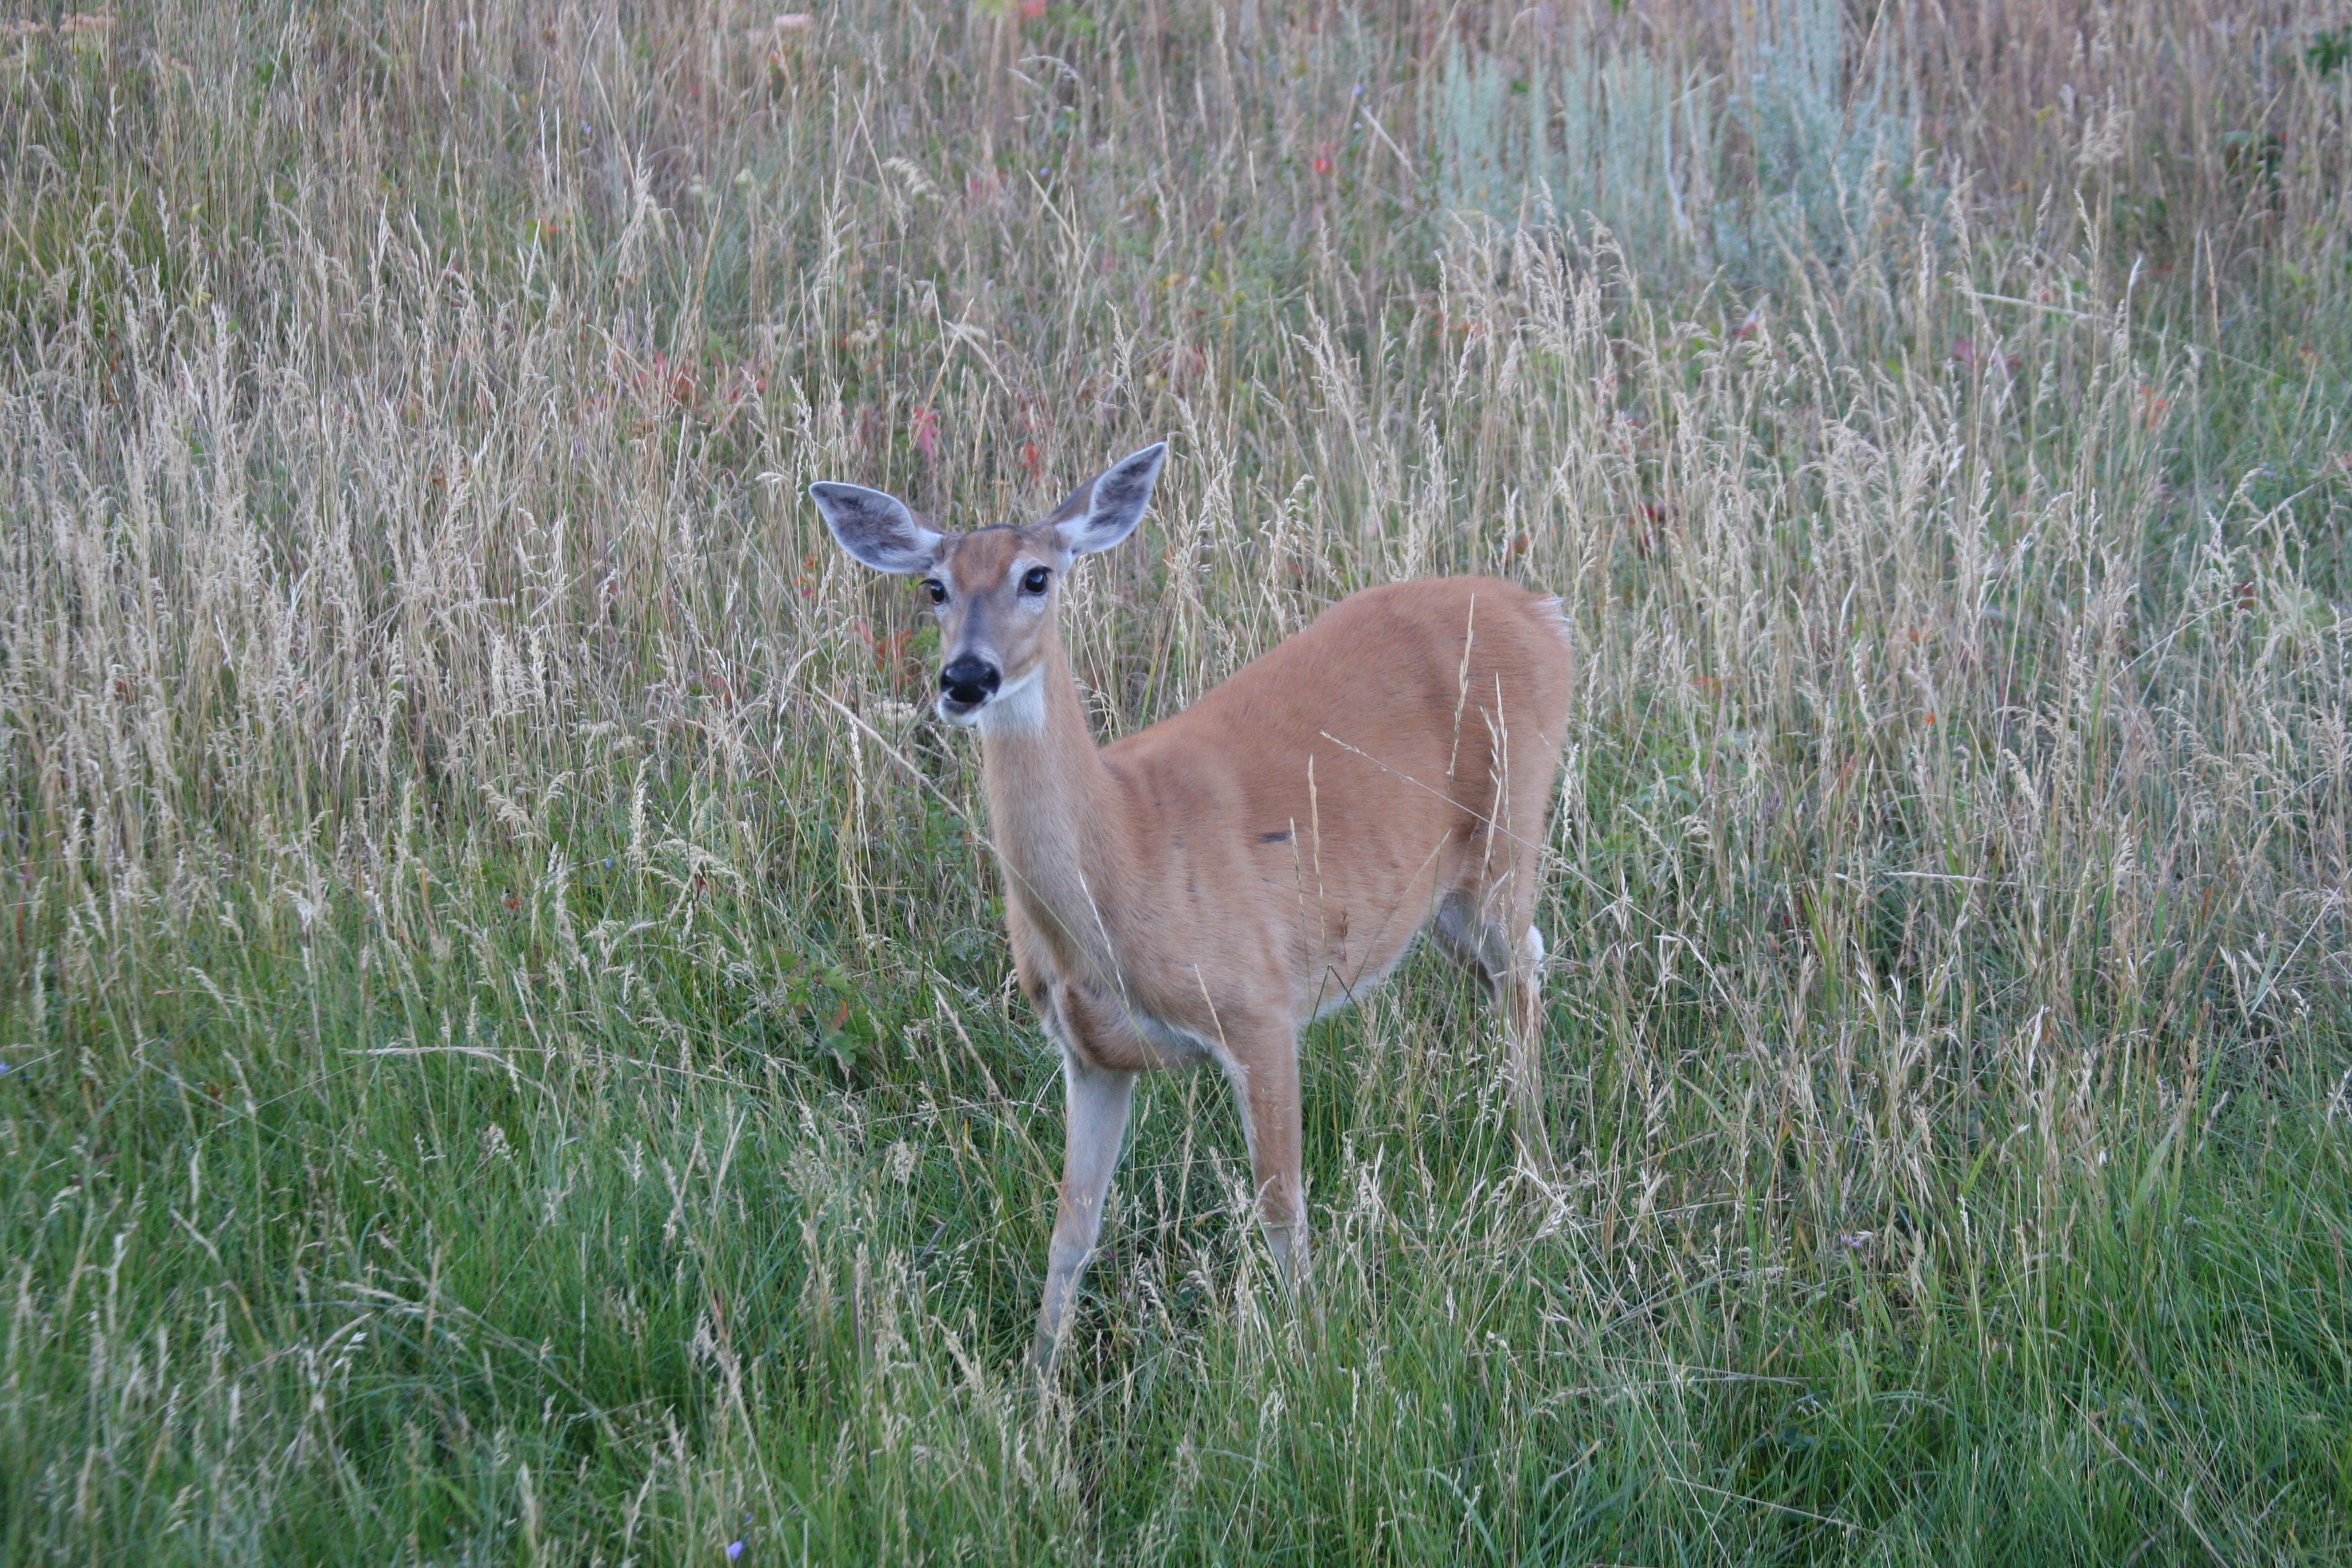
(506, 1047)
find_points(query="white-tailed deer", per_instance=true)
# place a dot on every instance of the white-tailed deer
(1200, 891)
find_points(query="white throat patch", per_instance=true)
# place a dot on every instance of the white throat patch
(1019, 708)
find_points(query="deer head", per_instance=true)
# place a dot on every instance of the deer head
(996, 590)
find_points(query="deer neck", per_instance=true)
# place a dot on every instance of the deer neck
(1054, 813)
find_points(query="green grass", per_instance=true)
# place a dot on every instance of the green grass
(497, 1068)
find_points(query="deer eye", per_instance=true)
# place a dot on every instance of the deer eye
(936, 589)
(1035, 581)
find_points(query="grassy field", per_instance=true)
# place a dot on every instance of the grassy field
(495, 1067)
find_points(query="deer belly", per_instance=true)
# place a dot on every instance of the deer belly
(1345, 953)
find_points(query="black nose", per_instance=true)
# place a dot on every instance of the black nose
(969, 680)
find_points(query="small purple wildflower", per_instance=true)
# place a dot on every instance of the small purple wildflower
(734, 1550)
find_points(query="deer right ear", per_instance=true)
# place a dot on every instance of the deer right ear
(877, 528)
(1106, 509)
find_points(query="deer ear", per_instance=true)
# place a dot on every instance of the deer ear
(1106, 509)
(877, 528)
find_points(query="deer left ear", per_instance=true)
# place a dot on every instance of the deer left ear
(1105, 509)
(877, 527)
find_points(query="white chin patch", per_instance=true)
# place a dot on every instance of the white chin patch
(1015, 708)
(961, 718)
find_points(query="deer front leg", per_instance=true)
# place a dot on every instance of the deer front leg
(1262, 1064)
(1098, 1099)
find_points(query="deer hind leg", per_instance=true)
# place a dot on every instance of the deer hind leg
(1476, 927)
(1528, 952)
(1527, 1038)
(1099, 1099)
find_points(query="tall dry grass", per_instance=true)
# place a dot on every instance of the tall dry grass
(499, 1067)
